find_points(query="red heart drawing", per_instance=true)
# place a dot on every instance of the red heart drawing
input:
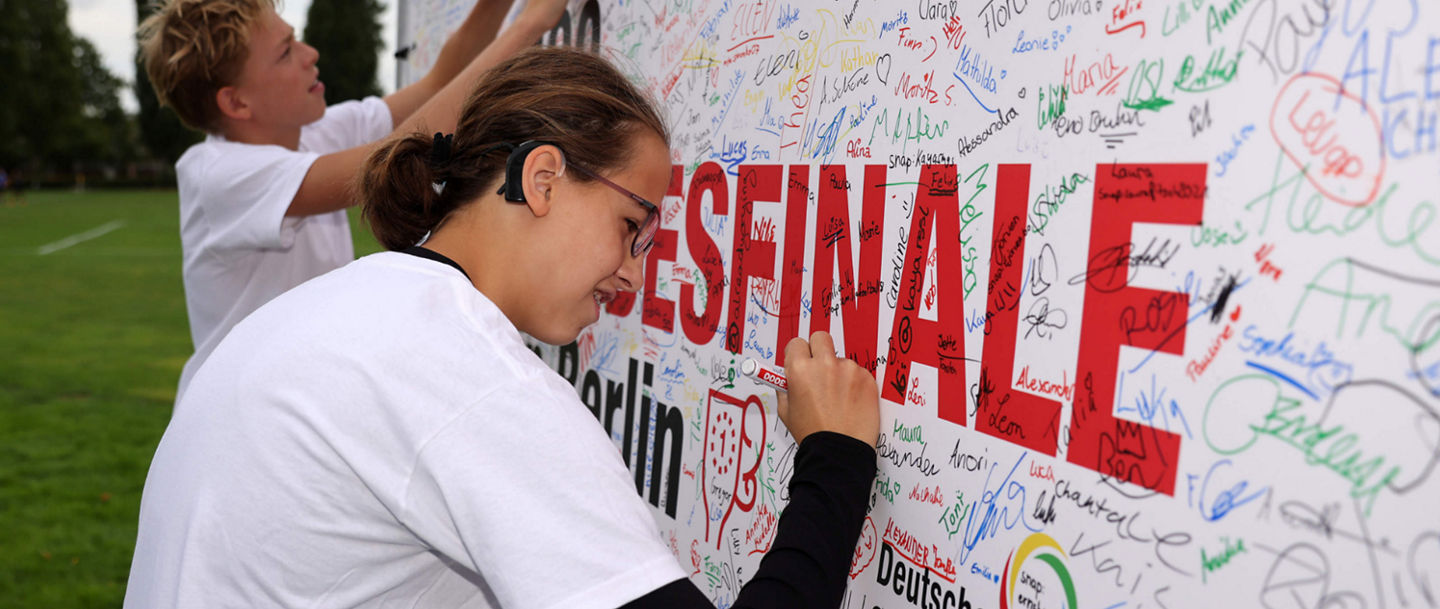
(732, 450)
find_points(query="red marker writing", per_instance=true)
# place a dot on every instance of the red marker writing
(773, 377)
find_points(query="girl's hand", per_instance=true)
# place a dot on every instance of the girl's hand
(828, 393)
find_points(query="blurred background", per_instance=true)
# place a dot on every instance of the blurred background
(93, 331)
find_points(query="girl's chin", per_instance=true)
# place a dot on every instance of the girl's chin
(560, 339)
(559, 336)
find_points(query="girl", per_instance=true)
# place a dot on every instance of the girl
(382, 437)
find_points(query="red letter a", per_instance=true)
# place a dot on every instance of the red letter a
(941, 343)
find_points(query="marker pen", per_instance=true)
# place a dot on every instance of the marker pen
(773, 377)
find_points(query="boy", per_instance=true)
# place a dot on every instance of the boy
(262, 198)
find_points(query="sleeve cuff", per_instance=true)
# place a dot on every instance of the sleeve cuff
(835, 454)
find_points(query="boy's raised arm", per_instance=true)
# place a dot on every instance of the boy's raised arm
(476, 33)
(326, 186)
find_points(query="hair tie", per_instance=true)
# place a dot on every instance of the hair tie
(440, 149)
(439, 156)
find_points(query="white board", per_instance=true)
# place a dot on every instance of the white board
(1152, 289)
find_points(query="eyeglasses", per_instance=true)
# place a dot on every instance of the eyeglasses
(644, 234)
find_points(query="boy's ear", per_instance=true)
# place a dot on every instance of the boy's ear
(231, 104)
(542, 170)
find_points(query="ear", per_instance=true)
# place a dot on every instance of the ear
(542, 170)
(231, 104)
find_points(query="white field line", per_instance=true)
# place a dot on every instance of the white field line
(50, 248)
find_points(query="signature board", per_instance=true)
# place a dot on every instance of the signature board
(1151, 289)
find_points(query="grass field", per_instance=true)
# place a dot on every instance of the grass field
(92, 339)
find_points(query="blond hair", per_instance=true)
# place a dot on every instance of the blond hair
(193, 48)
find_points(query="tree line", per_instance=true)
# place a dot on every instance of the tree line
(61, 120)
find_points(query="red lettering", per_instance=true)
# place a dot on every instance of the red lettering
(855, 150)
(1328, 136)
(774, 379)
(1022, 418)
(658, 311)
(709, 178)
(624, 302)
(792, 270)
(858, 299)
(1133, 452)
(751, 257)
(622, 305)
(940, 343)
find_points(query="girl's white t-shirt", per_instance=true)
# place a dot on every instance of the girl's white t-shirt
(239, 248)
(382, 437)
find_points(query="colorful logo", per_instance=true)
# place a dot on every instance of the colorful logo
(1037, 546)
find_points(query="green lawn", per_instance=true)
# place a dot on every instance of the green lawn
(92, 339)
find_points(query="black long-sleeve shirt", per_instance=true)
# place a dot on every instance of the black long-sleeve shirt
(809, 561)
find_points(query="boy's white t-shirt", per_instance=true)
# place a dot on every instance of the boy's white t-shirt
(382, 437)
(239, 248)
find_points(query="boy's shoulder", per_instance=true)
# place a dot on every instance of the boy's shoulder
(217, 173)
(348, 124)
(345, 124)
(216, 155)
